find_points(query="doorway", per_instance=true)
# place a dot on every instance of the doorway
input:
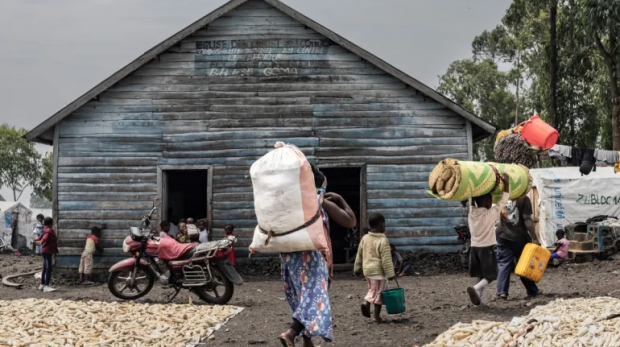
(185, 193)
(349, 183)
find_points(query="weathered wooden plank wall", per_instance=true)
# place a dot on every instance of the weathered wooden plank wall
(223, 97)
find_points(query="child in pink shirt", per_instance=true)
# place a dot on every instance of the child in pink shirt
(561, 252)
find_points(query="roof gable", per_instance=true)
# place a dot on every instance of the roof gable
(42, 133)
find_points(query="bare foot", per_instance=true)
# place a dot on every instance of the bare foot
(288, 339)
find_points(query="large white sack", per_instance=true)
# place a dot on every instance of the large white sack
(285, 199)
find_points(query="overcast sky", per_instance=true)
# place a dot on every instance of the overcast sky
(55, 50)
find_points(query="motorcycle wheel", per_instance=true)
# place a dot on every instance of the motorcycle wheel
(218, 291)
(119, 286)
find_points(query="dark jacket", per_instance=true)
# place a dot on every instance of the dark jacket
(49, 241)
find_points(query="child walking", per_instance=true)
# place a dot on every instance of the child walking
(374, 259)
(482, 257)
(49, 244)
(561, 251)
(86, 261)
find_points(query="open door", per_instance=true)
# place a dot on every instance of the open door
(350, 183)
(185, 192)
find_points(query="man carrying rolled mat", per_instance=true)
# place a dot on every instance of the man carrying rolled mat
(482, 258)
(515, 230)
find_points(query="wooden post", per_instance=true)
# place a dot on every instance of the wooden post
(55, 156)
(470, 141)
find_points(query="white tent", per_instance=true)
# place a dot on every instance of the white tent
(14, 214)
(562, 196)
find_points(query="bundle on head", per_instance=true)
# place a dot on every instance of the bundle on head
(456, 180)
(513, 149)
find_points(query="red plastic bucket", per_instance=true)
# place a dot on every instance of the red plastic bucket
(538, 133)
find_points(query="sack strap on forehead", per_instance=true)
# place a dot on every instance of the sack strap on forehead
(271, 234)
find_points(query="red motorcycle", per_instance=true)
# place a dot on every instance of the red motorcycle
(201, 268)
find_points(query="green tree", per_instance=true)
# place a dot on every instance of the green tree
(554, 68)
(481, 87)
(20, 163)
(599, 24)
(43, 186)
(36, 201)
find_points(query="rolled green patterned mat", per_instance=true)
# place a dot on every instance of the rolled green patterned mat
(456, 180)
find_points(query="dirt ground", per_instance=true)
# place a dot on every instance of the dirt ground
(434, 302)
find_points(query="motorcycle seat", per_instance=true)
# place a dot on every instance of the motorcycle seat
(212, 245)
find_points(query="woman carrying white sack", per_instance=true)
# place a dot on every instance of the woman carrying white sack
(306, 274)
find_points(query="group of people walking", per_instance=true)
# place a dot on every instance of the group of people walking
(496, 248)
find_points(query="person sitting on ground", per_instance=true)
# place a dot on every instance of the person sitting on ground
(400, 268)
(49, 241)
(374, 260)
(86, 261)
(204, 236)
(561, 251)
(482, 257)
(229, 229)
(182, 236)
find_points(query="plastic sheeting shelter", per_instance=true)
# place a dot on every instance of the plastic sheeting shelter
(562, 196)
(15, 224)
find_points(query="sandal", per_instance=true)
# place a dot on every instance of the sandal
(502, 296)
(286, 341)
(308, 342)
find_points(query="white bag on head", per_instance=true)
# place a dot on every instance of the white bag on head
(286, 203)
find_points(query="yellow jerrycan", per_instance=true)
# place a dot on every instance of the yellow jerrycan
(533, 262)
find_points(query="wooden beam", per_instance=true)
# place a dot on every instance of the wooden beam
(134, 65)
(210, 201)
(470, 141)
(55, 156)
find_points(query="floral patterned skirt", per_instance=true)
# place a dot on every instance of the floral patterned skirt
(306, 277)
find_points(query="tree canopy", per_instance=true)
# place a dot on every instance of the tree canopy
(21, 165)
(558, 59)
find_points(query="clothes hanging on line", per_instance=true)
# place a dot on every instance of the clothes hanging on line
(588, 163)
(576, 156)
(610, 157)
(563, 150)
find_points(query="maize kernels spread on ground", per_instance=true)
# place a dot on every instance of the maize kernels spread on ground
(38, 322)
(565, 323)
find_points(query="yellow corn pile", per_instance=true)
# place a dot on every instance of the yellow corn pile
(562, 323)
(38, 322)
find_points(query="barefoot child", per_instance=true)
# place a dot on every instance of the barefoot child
(49, 243)
(482, 258)
(374, 259)
(86, 261)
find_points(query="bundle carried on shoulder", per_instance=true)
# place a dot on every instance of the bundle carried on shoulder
(286, 204)
(456, 180)
(513, 149)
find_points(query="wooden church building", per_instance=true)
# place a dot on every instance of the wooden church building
(184, 122)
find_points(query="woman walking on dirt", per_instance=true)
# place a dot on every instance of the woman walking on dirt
(307, 275)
